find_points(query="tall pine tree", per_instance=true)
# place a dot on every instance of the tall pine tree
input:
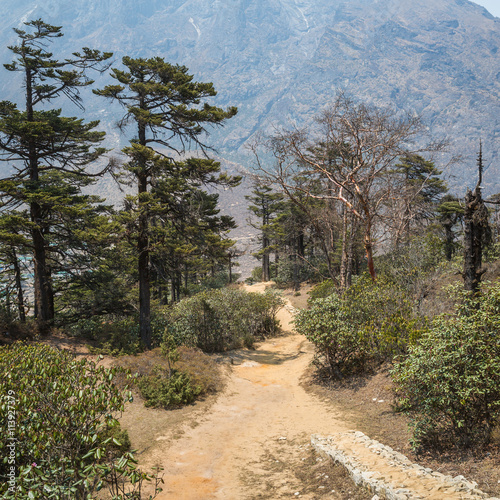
(164, 105)
(39, 141)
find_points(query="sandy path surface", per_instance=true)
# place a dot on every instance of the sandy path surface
(245, 444)
(262, 408)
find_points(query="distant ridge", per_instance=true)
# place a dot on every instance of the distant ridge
(281, 61)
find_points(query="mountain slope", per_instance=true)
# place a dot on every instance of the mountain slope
(282, 61)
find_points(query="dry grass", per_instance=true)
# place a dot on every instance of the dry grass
(293, 469)
(202, 368)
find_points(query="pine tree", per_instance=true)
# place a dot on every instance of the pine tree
(450, 213)
(37, 141)
(14, 249)
(266, 206)
(419, 189)
(164, 104)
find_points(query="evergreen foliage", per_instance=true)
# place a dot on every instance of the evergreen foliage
(65, 429)
(41, 142)
(450, 382)
(365, 324)
(267, 206)
(218, 320)
(164, 105)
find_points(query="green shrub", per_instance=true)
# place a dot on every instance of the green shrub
(383, 313)
(338, 346)
(370, 322)
(203, 371)
(450, 382)
(60, 437)
(292, 270)
(218, 320)
(163, 391)
(113, 336)
(322, 290)
(194, 373)
(257, 274)
(119, 336)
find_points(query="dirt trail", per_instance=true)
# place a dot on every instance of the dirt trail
(262, 408)
(244, 445)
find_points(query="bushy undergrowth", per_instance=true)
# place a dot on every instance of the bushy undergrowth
(216, 282)
(450, 382)
(118, 336)
(369, 322)
(165, 390)
(293, 270)
(171, 377)
(219, 320)
(12, 329)
(326, 325)
(59, 426)
(322, 290)
(213, 320)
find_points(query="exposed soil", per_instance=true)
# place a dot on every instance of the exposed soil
(366, 402)
(253, 441)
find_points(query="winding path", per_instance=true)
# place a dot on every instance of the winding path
(263, 419)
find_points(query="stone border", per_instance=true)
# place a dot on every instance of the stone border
(372, 479)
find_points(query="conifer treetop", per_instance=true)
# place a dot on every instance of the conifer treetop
(162, 98)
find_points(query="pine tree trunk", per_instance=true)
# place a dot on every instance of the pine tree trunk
(43, 312)
(143, 269)
(143, 244)
(266, 268)
(41, 277)
(19, 287)
(301, 251)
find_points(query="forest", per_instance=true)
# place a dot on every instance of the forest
(354, 205)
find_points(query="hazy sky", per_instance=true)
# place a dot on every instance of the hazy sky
(492, 5)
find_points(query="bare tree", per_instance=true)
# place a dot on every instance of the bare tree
(351, 149)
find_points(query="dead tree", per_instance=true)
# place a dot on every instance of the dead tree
(477, 232)
(350, 151)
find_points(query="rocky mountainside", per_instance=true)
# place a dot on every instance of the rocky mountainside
(282, 61)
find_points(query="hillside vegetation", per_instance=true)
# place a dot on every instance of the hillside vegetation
(352, 203)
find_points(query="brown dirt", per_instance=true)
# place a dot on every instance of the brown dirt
(366, 403)
(253, 441)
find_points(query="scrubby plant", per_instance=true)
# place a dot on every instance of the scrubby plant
(369, 322)
(111, 335)
(450, 382)
(202, 369)
(255, 276)
(322, 290)
(119, 336)
(338, 346)
(384, 314)
(161, 390)
(59, 424)
(218, 320)
(292, 270)
(172, 376)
